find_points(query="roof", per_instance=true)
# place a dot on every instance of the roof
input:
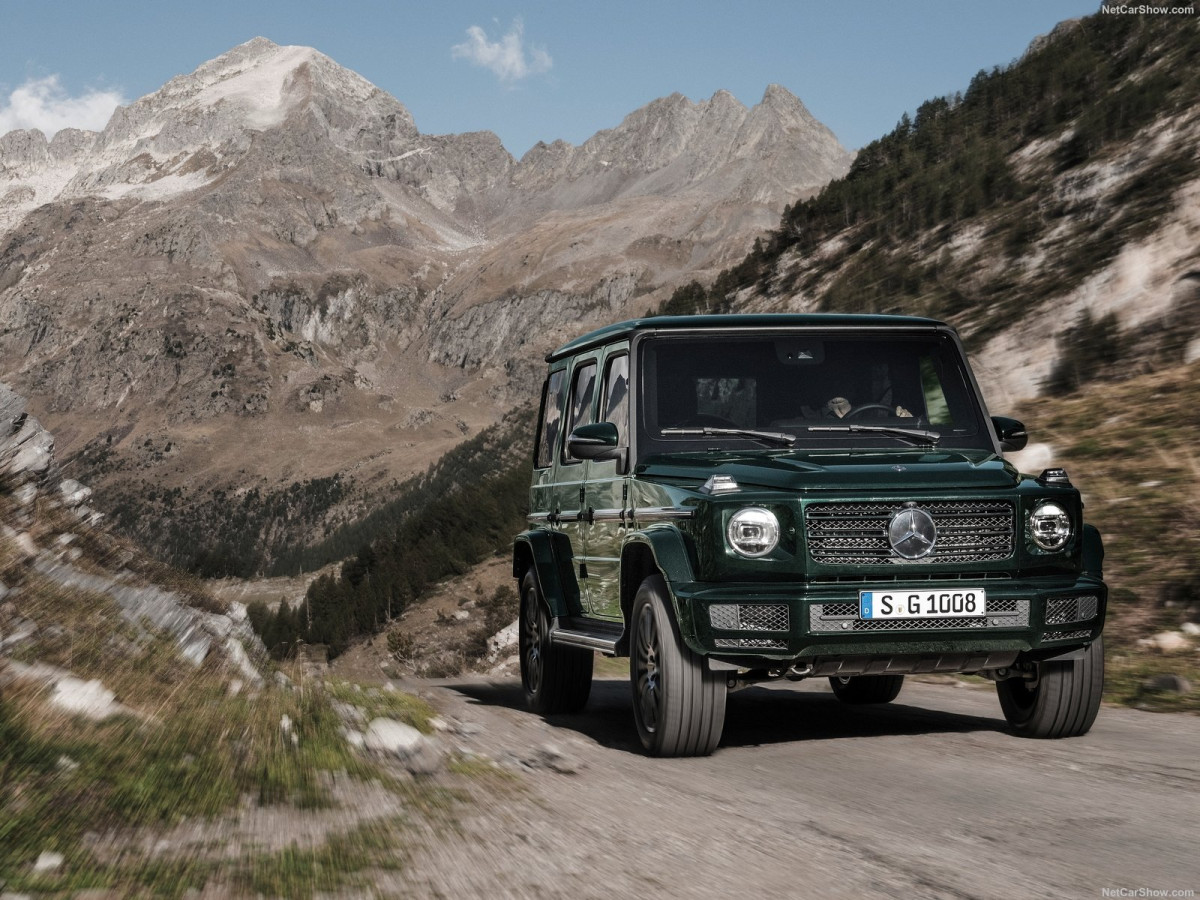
(620, 330)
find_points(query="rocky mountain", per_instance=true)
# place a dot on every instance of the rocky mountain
(1050, 211)
(264, 272)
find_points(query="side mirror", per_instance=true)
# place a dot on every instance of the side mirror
(598, 441)
(1010, 432)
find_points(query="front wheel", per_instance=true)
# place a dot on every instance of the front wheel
(860, 689)
(678, 704)
(1062, 702)
(556, 679)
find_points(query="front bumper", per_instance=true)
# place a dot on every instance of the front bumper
(811, 621)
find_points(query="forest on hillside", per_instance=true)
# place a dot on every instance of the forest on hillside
(465, 507)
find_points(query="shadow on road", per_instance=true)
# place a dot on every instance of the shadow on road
(754, 716)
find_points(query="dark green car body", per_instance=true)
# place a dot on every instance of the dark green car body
(658, 501)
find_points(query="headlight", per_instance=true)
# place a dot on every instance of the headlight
(753, 531)
(1050, 526)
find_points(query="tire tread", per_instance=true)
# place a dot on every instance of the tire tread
(694, 697)
(566, 671)
(1064, 703)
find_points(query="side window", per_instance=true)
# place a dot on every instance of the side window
(935, 397)
(581, 400)
(551, 424)
(616, 395)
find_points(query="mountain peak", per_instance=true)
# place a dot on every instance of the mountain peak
(776, 96)
(259, 43)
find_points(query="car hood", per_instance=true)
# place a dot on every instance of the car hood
(796, 470)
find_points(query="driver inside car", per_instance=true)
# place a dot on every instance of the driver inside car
(838, 407)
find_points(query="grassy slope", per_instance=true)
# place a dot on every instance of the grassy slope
(1133, 448)
(190, 751)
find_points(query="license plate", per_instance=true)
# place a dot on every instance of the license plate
(910, 604)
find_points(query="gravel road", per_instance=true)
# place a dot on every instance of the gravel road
(927, 797)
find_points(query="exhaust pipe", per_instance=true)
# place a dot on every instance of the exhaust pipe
(799, 673)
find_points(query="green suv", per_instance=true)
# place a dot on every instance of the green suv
(734, 499)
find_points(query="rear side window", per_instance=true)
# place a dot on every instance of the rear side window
(615, 408)
(581, 400)
(552, 412)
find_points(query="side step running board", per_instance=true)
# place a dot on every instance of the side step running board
(603, 639)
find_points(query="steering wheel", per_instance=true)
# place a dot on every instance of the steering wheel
(868, 407)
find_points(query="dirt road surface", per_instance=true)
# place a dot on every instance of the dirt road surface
(927, 797)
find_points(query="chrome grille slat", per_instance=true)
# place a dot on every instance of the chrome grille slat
(856, 533)
(915, 577)
(1067, 635)
(751, 643)
(843, 618)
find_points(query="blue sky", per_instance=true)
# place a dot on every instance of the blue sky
(531, 71)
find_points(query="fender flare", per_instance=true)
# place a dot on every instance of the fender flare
(670, 556)
(548, 554)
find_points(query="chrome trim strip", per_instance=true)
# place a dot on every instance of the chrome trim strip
(608, 515)
(586, 641)
(664, 512)
(538, 517)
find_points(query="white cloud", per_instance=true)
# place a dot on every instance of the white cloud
(507, 57)
(43, 103)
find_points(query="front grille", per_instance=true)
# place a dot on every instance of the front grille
(751, 643)
(856, 533)
(1067, 635)
(1061, 610)
(748, 616)
(843, 617)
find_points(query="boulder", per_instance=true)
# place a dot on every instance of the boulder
(73, 493)
(1167, 684)
(90, 699)
(417, 753)
(390, 736)
(1171, 642)
(503, 642)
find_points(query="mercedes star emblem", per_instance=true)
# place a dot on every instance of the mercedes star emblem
(912, 533)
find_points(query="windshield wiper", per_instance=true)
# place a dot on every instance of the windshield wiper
(770, 437)
(915, 436)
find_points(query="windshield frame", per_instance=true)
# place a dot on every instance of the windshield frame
(647, 444)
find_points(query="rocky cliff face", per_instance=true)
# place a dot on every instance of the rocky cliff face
(50, 539)
(270, 246)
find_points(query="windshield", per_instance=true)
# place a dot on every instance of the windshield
(828, 390)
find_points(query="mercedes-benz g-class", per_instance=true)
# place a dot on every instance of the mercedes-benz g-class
(733, 499)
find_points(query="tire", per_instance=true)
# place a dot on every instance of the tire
(862, 689)
(556, 679)
(678, 704)
(1063, 702)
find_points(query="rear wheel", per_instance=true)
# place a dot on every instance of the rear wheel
(556, 679)
(678, 704)
(1062, 702)
(861, 689)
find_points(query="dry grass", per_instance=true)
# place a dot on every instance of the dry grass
(1131, 449)
(189, 754)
